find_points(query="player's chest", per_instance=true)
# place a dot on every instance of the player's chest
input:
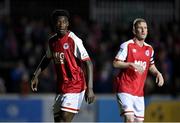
(61, 51)
(61, 46)
(137, 53)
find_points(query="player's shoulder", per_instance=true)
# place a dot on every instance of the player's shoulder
(53, 37)
(148, 45)
(74, 36)
(129, 41)
(126, 43)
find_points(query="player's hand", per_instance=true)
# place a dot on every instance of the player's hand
(34, 83)
(159, 79)
(137, 67)
(89, 95)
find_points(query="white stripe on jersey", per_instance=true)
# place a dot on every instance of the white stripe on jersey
(122, 53)
(79, 50)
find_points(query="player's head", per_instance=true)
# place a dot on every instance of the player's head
(140, 29)
(60, 19)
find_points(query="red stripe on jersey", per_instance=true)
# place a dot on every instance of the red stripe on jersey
(86, 59)
(70, 108)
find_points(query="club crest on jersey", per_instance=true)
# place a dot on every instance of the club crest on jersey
(147, 52)
(66, 46)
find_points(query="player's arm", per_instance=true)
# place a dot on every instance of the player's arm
(82, 54)
(120, 59)
(155, 72)
(121, 56)
(89, 91)
(43, 64)
(122, 64)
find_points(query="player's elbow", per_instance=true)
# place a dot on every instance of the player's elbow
(115, 64)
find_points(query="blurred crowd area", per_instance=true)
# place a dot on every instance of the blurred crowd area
(23, 42)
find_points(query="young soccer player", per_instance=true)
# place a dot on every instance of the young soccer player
(68, 54)
(135, 59)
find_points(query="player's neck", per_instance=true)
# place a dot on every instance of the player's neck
(139, 42)
(60, 35)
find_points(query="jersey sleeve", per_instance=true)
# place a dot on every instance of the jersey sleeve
(48, 53)
(122, 53)
(152, 57)
(80, 51)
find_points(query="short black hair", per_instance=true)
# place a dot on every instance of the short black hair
(60, 12)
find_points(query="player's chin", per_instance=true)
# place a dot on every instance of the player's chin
(143, 36)
(61, 31)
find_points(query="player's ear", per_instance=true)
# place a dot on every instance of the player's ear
(134, 32)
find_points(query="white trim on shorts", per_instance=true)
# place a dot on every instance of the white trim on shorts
(131, 105)
(70, 102)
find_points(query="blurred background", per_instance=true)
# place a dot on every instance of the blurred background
(103, 25)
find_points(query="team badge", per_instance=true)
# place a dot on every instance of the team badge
(66, 46)
(147, 52)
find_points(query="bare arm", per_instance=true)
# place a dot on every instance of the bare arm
(155, 72)
(122, 64)
(89, 96)
(43, 64)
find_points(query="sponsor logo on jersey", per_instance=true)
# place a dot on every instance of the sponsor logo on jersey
(58, 57)
(141, 63)
(134, 50)
(147, 52)
(66, 46)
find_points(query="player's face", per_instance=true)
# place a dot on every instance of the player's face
(61, 25)
(141, 30)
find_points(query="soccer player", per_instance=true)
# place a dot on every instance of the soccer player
(135, 59)
(68, 54)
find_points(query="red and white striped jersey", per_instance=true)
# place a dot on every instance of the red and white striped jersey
(68, 53)
(129, 80)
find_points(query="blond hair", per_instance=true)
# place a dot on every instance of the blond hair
(137, 21)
